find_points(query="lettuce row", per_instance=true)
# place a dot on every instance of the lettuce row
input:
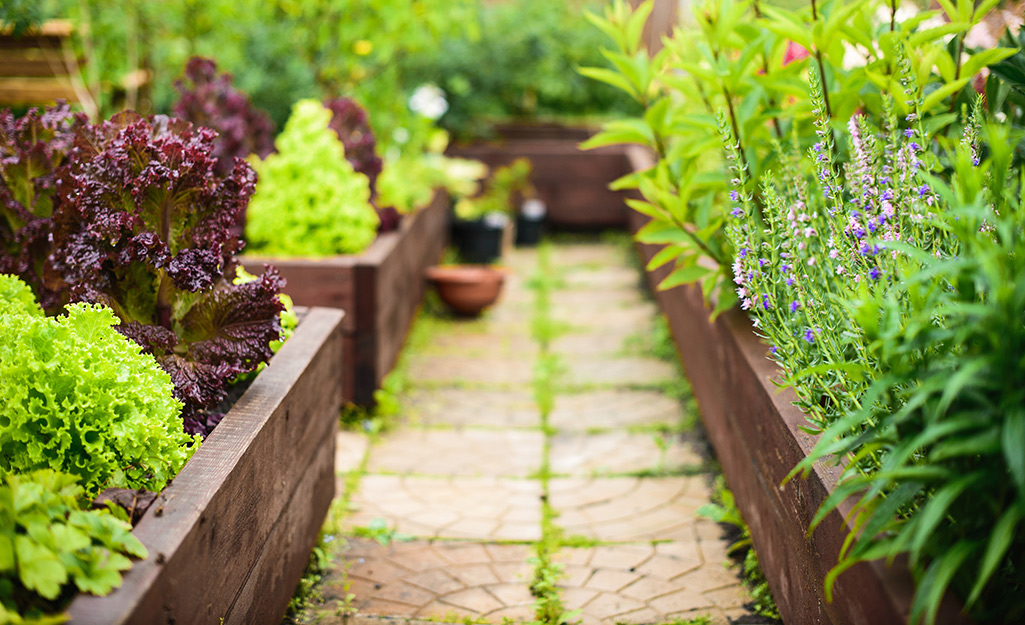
(82, 399)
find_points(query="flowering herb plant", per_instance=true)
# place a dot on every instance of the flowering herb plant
(886, 289)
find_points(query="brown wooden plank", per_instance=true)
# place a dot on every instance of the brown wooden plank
(327, 282)
(208, 529)
(36, 90)
(272, 582)
(756, 433)
(44, 41)
(401, 282)
(572, 182)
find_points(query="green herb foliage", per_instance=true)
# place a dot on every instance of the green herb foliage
(503, 187)
(81, 398)
(532, 49)
(49, 543)
(748, 59)
(309, 201)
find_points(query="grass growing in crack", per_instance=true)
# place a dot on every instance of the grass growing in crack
(723, 510)
(548, 606)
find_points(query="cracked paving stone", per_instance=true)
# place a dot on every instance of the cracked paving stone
(621, 452)
(450, 507)
(629, 509)
(644, 584)
(432, 580)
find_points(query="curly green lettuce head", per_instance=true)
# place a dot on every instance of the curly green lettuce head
(80, 398)
(309, 201)
(17, 297)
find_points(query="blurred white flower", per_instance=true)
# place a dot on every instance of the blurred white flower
(428, 100)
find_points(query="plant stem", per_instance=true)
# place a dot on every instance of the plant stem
(822, 69)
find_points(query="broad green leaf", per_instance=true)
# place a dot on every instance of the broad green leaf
(683, 275)
(944, 92)
(986, 58)
(39, 568)
(610, 77)
(667, 254)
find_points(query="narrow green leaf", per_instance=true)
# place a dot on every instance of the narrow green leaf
(999, 542)
(667, 254)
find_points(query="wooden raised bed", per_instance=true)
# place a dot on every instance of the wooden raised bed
(572, 182)
(380, 291)
(229, 539)
(756, 432)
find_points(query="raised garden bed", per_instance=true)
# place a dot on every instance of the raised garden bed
(380, 291)
(229, 539)
(572, 182)
(756, 432)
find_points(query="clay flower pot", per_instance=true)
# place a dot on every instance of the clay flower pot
(467, 289)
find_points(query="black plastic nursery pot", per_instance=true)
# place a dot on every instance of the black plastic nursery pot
(477, 241)
(529, 230)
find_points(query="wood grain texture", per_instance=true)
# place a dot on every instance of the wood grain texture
(209, 530)
(572, 182)
(756, 433)
(380, 290)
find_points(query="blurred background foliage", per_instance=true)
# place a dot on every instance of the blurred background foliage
(494, 60)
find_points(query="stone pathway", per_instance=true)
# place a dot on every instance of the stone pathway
(455, 505)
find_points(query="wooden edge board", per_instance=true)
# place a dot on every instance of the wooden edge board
(178, 517)
(756, 431)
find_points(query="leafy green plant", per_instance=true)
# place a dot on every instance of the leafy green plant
(49, 544)
(310, 201)
(500, 191)
(32, 150)
(747, 59)
(81, 398)
(943, 411)
(145, 226)
(533, 49)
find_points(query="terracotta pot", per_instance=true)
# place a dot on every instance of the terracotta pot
(467, 289)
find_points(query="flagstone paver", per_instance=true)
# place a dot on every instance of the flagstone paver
(456, 370)
(459, 452)
(472, 407)
(451, 507)
(621, 452)
(627, 508)
(625, 371)
(618, 409)
(457, 490)
(433, 580)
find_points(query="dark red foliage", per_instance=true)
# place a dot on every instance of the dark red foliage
(350, 123)
(146, 227)
(32, 149)
(209, 100)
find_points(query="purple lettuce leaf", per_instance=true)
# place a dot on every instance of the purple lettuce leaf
(146, 227)
(208, 99)
(350, 123)
(32, 150)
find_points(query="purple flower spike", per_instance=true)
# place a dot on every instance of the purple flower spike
(794, 305)
(809, 335)
(737, 212)
(874, 273)
(734, 196)
(909, 133)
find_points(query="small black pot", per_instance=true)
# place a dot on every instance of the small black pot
(529, 230)
(478, 242)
